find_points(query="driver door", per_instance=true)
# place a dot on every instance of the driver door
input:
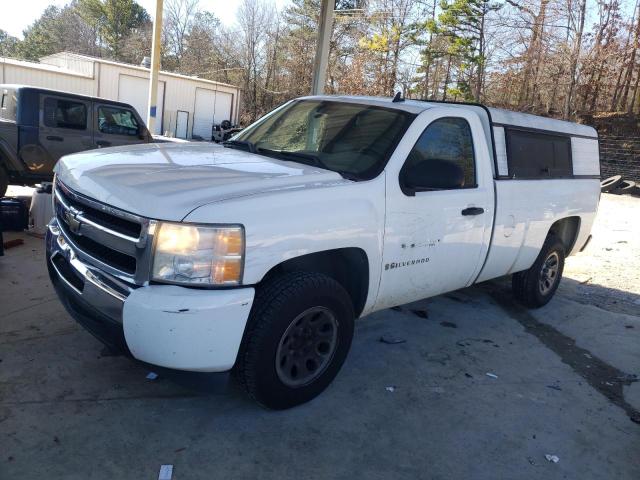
(439, 207)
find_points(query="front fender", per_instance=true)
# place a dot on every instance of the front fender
(286, 224)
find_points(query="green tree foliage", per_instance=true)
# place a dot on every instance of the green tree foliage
(114, 21)
(458, 34)
(8, 45)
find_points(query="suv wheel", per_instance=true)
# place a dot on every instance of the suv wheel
(297, 338)
(536, 286)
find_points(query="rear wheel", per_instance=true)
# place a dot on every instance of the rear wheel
(298, 336)
(536, 286)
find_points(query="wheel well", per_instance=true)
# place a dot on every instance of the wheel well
(347, 266)
(566, 229)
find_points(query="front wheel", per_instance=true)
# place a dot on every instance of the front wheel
(298, 336)
(536, 286)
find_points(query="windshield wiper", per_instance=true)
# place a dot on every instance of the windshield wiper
(301, 157)
(241, 144)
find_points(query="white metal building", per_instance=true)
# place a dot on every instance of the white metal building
(187, 106)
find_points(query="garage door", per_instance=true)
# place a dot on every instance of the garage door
(203, 113)
(223, 107)
(135, 92)
(211, 107)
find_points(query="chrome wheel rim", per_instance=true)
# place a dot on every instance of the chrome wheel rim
(549, 273)
(307, 346)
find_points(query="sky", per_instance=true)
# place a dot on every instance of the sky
(15, 19)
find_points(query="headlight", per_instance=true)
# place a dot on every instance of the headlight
(198, 255)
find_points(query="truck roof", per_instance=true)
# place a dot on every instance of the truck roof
(498, 116)
(16, 87)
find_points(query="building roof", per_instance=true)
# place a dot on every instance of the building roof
(43, 66)
(140, 68)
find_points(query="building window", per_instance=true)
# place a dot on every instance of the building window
(65, 114)
(117, 121)
(538, 155)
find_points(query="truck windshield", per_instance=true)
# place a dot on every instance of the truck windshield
(352, 139)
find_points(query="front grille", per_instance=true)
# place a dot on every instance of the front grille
(121, 261)
(118, 224)
(109, 238)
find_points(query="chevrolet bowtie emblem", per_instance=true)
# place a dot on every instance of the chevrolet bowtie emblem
(71, 218)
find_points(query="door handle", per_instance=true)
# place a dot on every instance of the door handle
(55, 138)
(472, 211)
(103, 143)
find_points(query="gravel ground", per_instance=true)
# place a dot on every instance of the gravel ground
(608, 271)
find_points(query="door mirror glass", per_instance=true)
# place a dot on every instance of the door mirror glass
(441, 159)
(434, 174)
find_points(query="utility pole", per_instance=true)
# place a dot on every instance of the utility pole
(322, 48)
(155, 68)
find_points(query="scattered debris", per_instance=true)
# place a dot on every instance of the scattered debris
(491, 375)
(390, 388)
(420, 313)
(468, 375)
(11, 459)
(178, 450)
(629, 326)
(391, 340)
(554, 387)
(587, 355)
(56, 439)
(151, 376)
(531, 461)
(552, 458)
(449, 324)
(166, 472)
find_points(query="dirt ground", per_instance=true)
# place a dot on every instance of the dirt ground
(481, 388)
(608, 271)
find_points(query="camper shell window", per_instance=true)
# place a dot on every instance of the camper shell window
(533, 154)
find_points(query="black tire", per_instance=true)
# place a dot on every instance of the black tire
(4, 182)
(610, 183)
(528, 287)
(625, 187)
(277, 304)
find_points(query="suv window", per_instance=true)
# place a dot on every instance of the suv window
(117, 121)
(60, 113)
(538, 155)
(442, 158)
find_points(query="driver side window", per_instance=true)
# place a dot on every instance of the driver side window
(442, 158)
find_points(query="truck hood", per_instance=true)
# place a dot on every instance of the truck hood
(167, 181)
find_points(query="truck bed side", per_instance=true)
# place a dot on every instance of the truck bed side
(526, 209)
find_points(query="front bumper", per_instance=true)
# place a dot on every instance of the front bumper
(169, 326)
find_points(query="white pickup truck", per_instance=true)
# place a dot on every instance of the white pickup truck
(256, 258)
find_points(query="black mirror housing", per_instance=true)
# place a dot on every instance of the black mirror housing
(431, 174)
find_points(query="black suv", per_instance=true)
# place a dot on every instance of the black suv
(38, 126)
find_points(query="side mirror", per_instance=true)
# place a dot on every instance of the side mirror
(143, 133)
(431, 174)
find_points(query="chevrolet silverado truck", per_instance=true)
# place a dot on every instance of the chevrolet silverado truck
(256, 258)
(38, 126)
